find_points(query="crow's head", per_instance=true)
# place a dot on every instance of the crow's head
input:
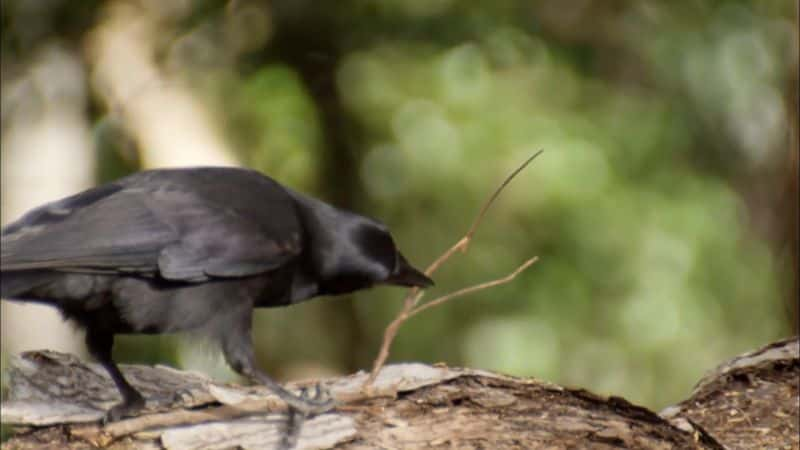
(374, 239)
(365, 254)
(348, 251)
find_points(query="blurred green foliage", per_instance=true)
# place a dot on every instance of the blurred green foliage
(649, 113)
(287, 124)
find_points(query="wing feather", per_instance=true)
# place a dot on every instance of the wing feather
(160, 224)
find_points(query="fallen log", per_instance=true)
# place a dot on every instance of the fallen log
(55, 401)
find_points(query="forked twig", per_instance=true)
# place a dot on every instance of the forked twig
(411, 301)
(475, 288)
(463, 243)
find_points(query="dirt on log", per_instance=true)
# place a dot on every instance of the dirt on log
(55, 401)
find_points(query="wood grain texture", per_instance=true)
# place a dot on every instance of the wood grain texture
(55, 401)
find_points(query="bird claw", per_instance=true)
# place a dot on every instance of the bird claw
(128, 407)
(303, 406)
(181, 397)
(309, 404)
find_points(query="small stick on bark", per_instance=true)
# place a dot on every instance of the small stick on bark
(102, 436)
(411, 300)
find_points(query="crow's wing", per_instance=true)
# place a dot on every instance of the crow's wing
(176, 232)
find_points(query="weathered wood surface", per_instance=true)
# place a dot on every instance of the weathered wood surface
(55, 401)
(749, 402)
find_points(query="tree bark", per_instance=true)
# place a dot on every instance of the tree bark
(55, 400)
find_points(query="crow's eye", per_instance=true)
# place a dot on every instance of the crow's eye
(378, 246)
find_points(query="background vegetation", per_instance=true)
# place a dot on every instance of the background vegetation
(664, 209)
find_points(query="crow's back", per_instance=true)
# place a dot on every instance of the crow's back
(184, 225)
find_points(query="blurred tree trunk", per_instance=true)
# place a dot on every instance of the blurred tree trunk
(170, 126)
(47, 154)
(791, 222)
(315, 58)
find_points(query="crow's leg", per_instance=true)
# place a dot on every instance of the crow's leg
(100, 345)
(238, 349)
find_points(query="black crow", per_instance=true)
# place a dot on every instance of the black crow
(193, 249)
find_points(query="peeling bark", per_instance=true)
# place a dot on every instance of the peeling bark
(55, 401)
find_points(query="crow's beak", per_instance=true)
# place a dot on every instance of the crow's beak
(406, 275)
